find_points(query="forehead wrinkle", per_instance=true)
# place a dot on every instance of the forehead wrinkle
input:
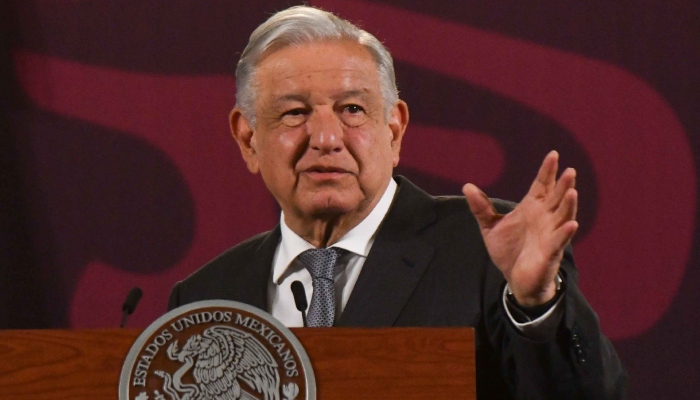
(295, 74)
(363, 94)
(291, 97)
(293, 80)
(289, 83)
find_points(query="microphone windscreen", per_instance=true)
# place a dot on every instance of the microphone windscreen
(132, 299)
(299, 296)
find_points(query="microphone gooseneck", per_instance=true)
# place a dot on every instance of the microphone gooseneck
(300, 299)
(132, 300)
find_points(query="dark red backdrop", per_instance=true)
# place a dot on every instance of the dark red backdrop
(117, 168)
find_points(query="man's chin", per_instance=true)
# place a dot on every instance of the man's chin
(329, 206)
(330, 209)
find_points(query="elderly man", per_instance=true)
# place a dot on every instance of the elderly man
(318, 116)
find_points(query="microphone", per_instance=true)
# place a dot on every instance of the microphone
(300, 299)
(132, 299)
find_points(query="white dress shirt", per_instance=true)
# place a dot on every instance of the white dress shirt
(287, 269)
(357, 243)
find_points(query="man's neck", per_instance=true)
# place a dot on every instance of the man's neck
(322, 231)
(325, 230)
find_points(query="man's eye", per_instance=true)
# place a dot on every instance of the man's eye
(354, 109)
(295, 112)
(353, 115)
(294, 117)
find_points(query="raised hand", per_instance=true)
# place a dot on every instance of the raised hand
(528, 243)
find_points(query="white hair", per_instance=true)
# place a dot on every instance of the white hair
(300, 25)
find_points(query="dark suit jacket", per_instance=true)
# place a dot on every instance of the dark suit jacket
(429, 267)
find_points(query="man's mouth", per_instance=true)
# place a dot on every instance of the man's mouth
(323, 169)
(324, 172)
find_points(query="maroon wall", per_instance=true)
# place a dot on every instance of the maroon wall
(117, 169)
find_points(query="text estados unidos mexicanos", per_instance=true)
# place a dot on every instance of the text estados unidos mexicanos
(150, 351)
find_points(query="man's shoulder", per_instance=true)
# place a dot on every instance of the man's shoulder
(458, 204)
(238, 256)
(236, 274)
(453, 210)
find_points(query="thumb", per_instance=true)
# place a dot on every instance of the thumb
(480, 205)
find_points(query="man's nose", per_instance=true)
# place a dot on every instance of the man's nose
(325, 131)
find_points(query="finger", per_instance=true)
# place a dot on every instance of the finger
(546, 176)
(565, 182)
(480, 205)
(562, 236)
(568, 207)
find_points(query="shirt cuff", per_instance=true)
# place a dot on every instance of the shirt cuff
(540, 328)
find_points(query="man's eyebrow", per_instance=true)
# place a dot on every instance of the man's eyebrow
(291, 97)
(362, 94)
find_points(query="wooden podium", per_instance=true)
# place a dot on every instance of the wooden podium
(349, 363)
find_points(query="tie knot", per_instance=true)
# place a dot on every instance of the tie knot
(320, 262)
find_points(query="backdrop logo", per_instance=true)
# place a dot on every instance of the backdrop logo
(216, 350)
(619, 125)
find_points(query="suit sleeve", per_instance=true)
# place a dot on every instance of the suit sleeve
(574, 362)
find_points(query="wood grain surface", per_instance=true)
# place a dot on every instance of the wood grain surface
(396, 363)
(349, 363)
(62, 364)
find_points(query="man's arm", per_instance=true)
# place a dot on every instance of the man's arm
(571, 360)
(529, 247)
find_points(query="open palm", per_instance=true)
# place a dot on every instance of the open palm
(528, 243)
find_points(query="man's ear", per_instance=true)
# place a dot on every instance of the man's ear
(245, 137)
(398, 121)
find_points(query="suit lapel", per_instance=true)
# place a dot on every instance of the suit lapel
(396, 263)
(252, 282)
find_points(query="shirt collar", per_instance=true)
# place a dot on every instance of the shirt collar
(358, 240)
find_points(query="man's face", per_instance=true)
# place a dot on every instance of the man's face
(321, 140)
